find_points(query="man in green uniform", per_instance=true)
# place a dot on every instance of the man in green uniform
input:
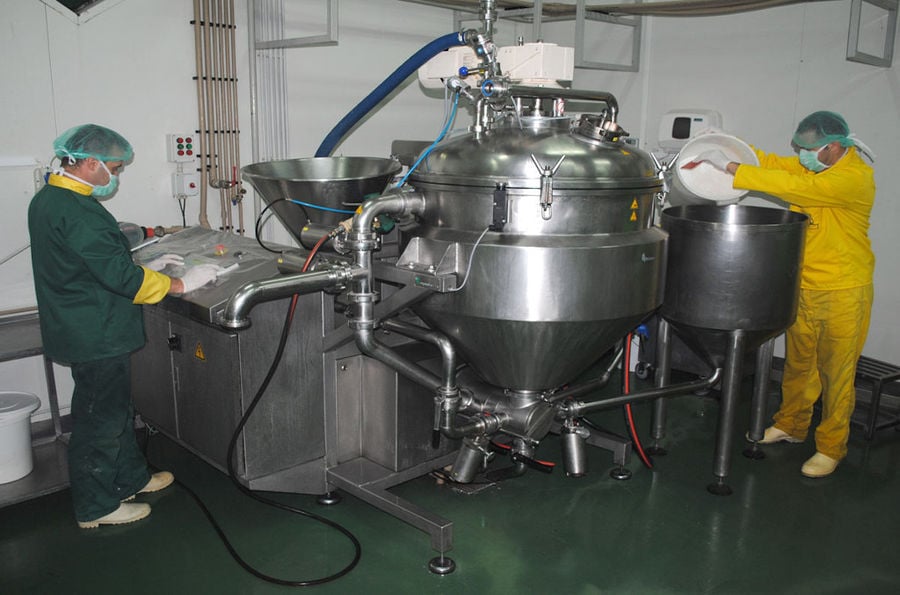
(89, 294)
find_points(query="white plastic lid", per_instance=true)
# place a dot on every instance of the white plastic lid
(16, 405)
(705, 181)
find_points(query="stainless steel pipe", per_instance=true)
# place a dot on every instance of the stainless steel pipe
(237, 310)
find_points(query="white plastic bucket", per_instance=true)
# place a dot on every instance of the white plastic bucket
(16, 460)
(705, 184)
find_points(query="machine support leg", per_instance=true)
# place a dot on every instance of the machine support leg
(730, 389)
(760, 396)
(370, 483)
(663, 372)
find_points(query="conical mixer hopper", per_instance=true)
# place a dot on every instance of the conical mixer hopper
(331, 187)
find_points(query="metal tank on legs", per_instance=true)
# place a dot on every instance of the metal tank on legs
(732, 285)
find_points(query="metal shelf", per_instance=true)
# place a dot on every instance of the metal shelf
(20, 337)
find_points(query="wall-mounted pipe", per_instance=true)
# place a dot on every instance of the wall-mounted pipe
(412, 64)
(218, 150)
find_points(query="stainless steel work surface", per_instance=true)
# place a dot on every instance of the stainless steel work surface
(243, 259)
(20, 336)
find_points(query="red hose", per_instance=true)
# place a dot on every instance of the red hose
(626, 374)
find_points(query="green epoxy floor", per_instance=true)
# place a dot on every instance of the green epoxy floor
(659, 532)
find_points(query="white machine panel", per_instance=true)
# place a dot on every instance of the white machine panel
(538, 63)
(677, 126)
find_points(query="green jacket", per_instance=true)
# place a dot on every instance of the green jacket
(84, 278)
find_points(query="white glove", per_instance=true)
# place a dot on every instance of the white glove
(198, 276)
(161, 262)
(714, 157)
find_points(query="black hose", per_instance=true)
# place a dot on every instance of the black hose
(259, 220)
(231, 473)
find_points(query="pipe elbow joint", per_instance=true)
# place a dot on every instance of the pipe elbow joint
(396, 201)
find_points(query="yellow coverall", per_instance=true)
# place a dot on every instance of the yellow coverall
(825, 342)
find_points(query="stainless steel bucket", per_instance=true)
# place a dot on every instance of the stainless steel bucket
(731, 268)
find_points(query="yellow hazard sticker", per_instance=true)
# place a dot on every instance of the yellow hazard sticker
(198, 353)
(633, 216)
(634, 205)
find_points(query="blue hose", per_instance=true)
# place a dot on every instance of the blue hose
(412, 64)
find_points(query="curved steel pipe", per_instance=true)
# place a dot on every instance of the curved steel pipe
(237, 310)
(578, 409)
(368, 345)
(395, 201)
(599, 382)
(450, 401)
(575, 94)
(448, 353)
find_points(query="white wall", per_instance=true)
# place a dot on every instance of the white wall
(130, 65)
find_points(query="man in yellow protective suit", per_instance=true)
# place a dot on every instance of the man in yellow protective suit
(828, 181)
(89, 294)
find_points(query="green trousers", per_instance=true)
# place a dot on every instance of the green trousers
(105, 464)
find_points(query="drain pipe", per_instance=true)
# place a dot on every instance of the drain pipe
(449, 400)
(579, 408)
(599, 382)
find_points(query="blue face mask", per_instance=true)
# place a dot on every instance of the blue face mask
(109, 187)
(810, 159)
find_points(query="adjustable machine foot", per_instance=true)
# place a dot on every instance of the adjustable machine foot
(719, 487)
(620, 473)
(754, 452)
(329, 499)
(441, 565)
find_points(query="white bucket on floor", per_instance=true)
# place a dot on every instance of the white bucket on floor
(705, 184)
(16, 460)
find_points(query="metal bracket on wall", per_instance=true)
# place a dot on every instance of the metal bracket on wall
(873, 23)
(582, 15)
(329, 38)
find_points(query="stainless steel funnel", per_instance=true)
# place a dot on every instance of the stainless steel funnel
(331, 187)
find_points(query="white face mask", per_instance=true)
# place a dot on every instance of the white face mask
(109, 187)
(809, 159)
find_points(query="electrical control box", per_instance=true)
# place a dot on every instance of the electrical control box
(180, 147)
(185, 184)
(677, 126)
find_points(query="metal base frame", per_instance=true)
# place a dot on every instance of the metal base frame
(370, 483)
